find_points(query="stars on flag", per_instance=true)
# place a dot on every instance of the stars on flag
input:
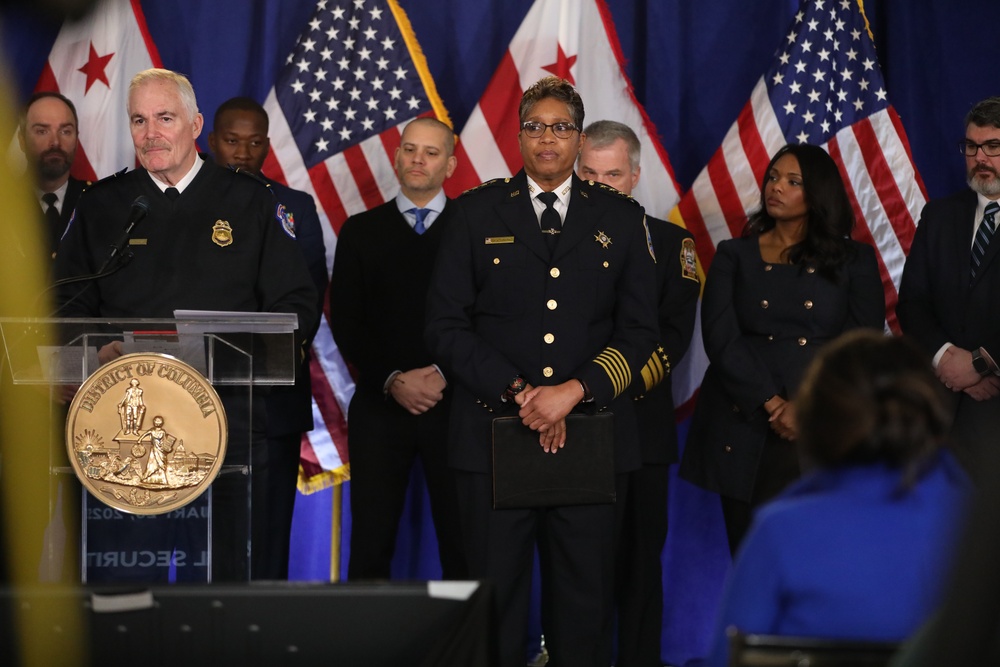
(824, 77)
(349, 78)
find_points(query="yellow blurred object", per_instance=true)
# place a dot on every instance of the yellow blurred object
(26, 416)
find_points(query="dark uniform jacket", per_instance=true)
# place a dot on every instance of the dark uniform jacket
(678, 287)
(219, 246)
(498, 306)
(762, 324)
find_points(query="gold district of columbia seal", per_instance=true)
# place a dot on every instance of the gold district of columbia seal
(146, 433)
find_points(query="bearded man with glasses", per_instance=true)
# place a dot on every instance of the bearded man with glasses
(949, 295)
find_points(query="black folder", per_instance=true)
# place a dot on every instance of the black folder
(581, 473)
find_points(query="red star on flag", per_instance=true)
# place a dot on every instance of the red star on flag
(561, 67)
(94, 69)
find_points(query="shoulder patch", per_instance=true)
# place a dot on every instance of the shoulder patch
(607, 189)
(487, 184)
(689, 260)
(286, 219)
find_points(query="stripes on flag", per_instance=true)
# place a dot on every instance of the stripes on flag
(354, 79)
(825, 88)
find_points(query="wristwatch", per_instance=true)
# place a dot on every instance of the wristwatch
(979, 362)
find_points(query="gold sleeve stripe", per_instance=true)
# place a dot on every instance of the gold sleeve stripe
(653, 372)
(614, 364)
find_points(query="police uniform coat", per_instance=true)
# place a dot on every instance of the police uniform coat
(939, 304)
(762, 324)
(499, 306)
(219, 246)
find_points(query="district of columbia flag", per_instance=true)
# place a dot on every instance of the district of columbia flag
(92, 62)
(355, 77)
(575, 40)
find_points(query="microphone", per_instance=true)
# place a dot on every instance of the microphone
(140, 208)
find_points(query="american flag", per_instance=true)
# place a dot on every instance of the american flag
(354, 79)
(824, 87)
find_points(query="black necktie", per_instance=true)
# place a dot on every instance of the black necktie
(172, 193)
(51, 212)
(983, 236)
(551, 224)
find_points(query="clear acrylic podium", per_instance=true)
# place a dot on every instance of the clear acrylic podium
(209, 539)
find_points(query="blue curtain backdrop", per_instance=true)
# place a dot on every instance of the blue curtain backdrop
(693, 65)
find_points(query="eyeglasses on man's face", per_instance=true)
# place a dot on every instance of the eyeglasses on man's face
(534, 129)
(970, 148)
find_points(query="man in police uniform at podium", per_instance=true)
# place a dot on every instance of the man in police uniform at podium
(212, 239)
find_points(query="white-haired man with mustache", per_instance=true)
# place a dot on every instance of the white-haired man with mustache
(213, 239)
(951, 285)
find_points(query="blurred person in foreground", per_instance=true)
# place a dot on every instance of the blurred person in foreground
(858, 548)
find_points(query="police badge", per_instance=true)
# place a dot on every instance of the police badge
(222, 233)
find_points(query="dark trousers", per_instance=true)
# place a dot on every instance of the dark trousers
(642, 528)
(274, 504)
(778, 467)
(384, 442)
(576, 556)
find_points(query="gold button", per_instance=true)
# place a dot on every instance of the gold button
(770, 337)
(810, 269)
(729, 448)
(551, 304)
(802, 341)
(764, 304)
(549, 338)
(547, 371)
(808, 304)
(606, 265)
(768, 267)
(496, 260)
(554, 272)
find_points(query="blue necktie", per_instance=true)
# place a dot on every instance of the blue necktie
(983, 236)
(420, 214)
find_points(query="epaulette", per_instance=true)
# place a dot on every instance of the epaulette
(257, 177)
(487, 184)
(611, 191)
(90, 185)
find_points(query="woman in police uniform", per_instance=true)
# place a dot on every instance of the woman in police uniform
(792, 282)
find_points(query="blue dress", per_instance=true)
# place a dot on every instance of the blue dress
(846, 553)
